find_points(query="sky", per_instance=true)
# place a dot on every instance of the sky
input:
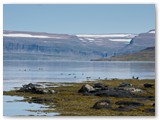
(79, 18)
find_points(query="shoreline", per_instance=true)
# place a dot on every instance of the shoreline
(68, 102)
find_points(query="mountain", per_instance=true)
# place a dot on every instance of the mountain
(40, 45)
(147, 54)
(139, 42)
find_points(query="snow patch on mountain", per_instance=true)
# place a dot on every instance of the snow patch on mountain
(107, 35)
(152, 31)
(121, 40)
(25, 35)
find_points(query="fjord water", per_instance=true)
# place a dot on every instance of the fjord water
(18, 72)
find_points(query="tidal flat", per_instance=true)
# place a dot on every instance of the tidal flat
(67, 101)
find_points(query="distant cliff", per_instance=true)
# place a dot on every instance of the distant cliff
(21, 45)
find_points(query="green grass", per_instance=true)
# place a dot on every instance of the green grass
(69, 102)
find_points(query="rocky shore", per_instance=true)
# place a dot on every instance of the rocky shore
(92, 98)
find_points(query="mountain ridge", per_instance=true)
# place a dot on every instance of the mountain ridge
(63, 46)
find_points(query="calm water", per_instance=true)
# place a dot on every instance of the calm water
(16, 73)
(12, 107)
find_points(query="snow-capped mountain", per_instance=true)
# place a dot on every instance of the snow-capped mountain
(140, 42)
(41, 45)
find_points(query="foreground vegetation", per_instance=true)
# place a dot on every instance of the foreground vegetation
(68, 102)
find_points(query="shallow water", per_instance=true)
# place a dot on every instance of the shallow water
(12, 107)
(16, 73)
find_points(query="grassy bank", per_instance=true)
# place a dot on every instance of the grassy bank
(68, 102)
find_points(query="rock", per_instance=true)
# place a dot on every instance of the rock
(153, 104)
(52, 91)
(130, 89)
(99, 86)
(114, 79)
(148, 85)
(152, 98)
(45, 91)
(124, 108)
(125, 85)
(86, 88)
(128, 103)
(149, 110)
(102, 104)
(35, 88)
(133, 90)
(114, 93)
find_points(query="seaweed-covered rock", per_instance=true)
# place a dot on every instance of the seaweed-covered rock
(114, 93)
(86, 88)
(149, 110)
(35, 88)
(51, 91)
(148, 85)
(129, 103)
(102, 104)
(133, 90)
(100, 86)
(125, 85)
(124, 108)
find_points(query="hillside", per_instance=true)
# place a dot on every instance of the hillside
(147, 54)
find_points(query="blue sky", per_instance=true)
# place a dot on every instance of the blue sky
(79, 19)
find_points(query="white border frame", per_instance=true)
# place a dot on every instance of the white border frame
(157, 2)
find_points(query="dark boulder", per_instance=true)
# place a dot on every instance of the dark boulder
(100, 86)
(128, 103)
(149, 110)
(30, 87)
(124, 108)
(114, 93)
(148, 85)
(153, 104)
(86, 88)
(119, 92)
(102, 104)
(35, 88)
